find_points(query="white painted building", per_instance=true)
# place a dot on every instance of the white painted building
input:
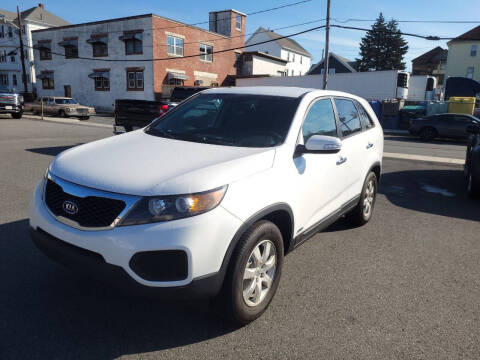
(258, 63)
(299, 59)
(10, 61)
(99, 82)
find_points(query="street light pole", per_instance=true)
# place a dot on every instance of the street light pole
(22, 53)
(327, 43)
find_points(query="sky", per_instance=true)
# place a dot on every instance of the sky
(342, 42)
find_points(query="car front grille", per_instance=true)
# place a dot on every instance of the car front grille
(88, 212)
(82, 111)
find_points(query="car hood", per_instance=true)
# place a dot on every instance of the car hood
(140, 164)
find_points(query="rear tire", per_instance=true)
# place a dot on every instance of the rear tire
(363, 212)
(253, 274)
(428, 133)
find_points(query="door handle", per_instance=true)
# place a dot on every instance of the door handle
(369, 145)
(341, 160)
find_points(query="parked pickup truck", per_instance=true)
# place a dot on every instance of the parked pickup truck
(135, 114)
(11, 102)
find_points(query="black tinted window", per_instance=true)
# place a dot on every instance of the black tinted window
(320, 120)
(365, 119)
(348, 116)
(229, 119)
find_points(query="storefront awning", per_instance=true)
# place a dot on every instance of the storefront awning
(131, 36)
(176, 75)
(100, 74)
(48, 75)
(99, 40)
(41, 46)
(68, 43)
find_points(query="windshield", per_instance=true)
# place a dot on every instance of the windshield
(229, 119)
(66, 101)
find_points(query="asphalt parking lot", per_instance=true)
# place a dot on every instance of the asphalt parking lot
(405, 286)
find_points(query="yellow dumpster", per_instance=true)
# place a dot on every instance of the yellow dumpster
(461, 105)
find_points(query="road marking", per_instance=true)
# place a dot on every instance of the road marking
(67, 121)
(424, 158)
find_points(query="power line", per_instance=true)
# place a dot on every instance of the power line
(429, 37)
(343, 21)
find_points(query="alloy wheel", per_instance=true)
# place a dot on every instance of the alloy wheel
(369, 198)
(259, 273)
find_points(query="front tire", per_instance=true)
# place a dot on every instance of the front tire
(254, 273)
(472, 186)
(17, 115)
(363, 212)
(62, 114)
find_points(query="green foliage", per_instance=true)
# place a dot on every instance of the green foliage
(382, 47)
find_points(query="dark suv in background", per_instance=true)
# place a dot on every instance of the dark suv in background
(442, 125)
(11, 102)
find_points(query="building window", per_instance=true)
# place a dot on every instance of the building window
(206, 52)
(3, 56)
(176, 82)
(102, 84)
(473, 50)
(133, 42)
(134, 79)
(470, 70)
(301, 59)
(71, 47)
(2, 31)
(238, 22)
(47, 80)
(99, 45)
(12, 58)
(14, 79)
(293, 57)
(3, 79)
(10, 31)
(101, 79)
(174, 46)
(45, 50)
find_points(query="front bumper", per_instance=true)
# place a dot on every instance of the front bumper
(204, 238)
(11, 108)
(75, 112)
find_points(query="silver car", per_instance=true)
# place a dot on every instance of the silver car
(60, 106)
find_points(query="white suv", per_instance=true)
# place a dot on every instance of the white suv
(207, 200)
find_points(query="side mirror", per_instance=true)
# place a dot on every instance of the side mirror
(321, 144)
(473, 129)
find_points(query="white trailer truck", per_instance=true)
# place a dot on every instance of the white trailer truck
(421, 88)
(372, 85)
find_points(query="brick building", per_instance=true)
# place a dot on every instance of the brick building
(101, 61)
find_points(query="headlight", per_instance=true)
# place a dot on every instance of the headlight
(166, 208)
(68, 109)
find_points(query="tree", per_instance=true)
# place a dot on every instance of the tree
(383, 47)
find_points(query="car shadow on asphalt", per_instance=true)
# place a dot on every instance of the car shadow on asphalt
(438, 192)
(52, 150)
(48, 312)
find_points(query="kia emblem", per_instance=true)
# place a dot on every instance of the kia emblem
(70, 207)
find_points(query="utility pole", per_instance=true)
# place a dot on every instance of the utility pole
(22, 53)
(327, 43)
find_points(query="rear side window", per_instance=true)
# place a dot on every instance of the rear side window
(320, 120)
(348, 116)
(365, 119)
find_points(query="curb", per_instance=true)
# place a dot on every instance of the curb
(67, 122)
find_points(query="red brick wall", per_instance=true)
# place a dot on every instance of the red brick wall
(223, 63)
